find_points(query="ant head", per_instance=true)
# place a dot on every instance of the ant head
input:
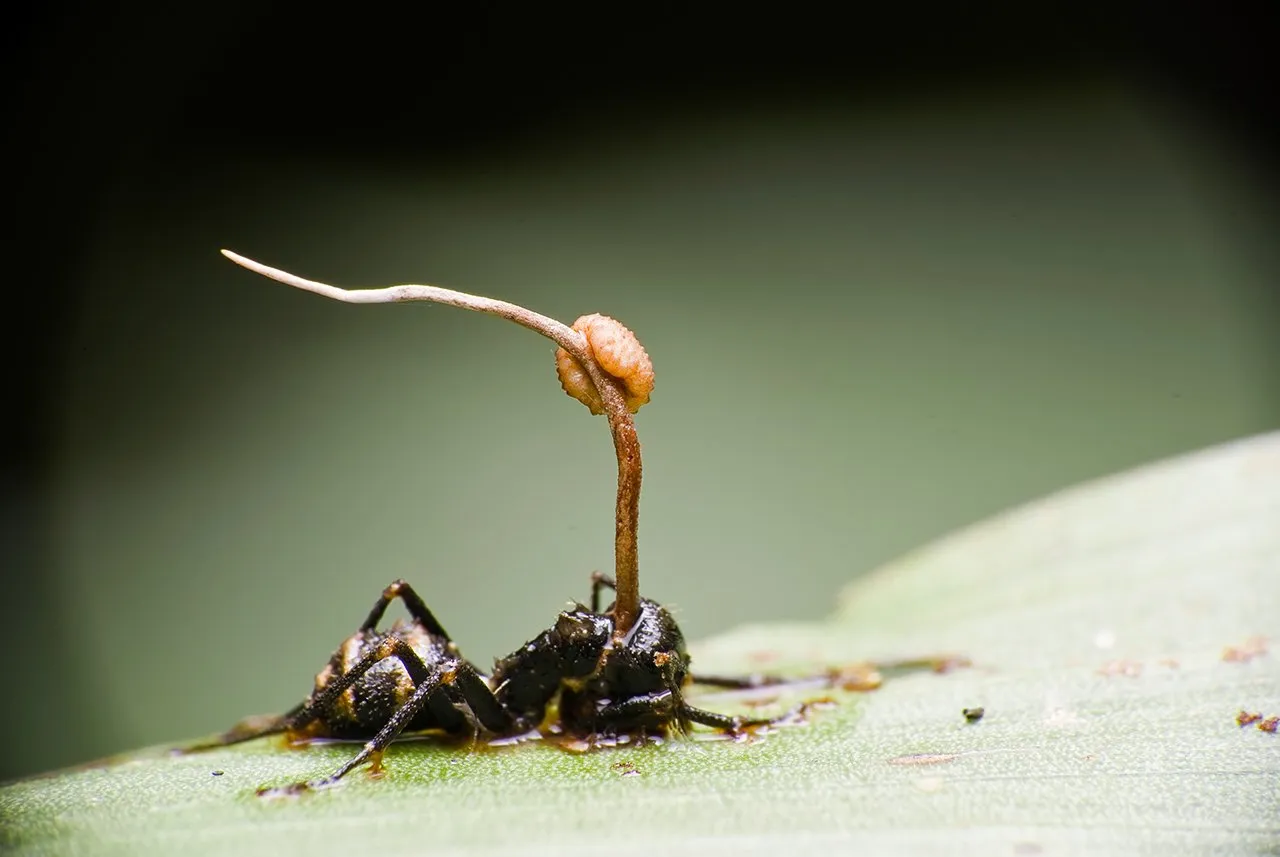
(652, 655)
(580, 637)
(637, 683)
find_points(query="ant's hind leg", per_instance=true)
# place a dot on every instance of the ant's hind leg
(373, 748)
(475, 692)
(297, 718)
(320, 701)
(413, 602)
(460, 678)
(257, 726)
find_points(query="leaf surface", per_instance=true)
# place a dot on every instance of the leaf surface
(1116, 631)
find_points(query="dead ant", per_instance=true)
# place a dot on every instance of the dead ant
(412, 678)
(608, 676)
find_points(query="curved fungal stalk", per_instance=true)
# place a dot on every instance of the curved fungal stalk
(598, 358)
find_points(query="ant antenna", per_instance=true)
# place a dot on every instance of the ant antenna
(599, 362)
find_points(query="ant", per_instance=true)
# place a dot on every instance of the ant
(602, 676)
(412, 677)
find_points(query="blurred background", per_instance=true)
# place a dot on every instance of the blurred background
(894, 275)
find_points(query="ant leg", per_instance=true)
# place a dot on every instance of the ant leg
(480, 699)
(473, 688)
(373, 748)
(390, 647)
(600, 580)
(669, 707)
(417, 608)
(258, 726)
(839, 675)
(461, 677)
(725, 723)
(743, 682)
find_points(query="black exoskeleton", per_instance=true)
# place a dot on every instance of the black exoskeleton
(574, 678)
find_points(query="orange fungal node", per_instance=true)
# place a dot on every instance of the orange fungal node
(618, 353)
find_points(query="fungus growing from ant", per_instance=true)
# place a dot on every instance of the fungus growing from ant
(600, 363)
(595, 678)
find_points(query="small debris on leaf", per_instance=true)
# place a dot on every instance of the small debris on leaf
(1271, 724)
(856, 678)
(1131, 669)
(973, 715)
(1254, 647)
(626, 769)
(1245, 718)
(217, 773)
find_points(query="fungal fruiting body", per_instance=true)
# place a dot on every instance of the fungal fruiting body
(617, 352)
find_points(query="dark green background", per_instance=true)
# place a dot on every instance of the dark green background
(880, 306)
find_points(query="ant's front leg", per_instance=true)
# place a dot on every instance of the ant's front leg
(665, 706)
(733, 725)
(600, 580)
(860, 676)
(746, 682)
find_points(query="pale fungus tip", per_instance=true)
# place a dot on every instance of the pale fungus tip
(618, 353)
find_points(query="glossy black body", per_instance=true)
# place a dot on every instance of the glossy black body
(576, 678)
(602, 687)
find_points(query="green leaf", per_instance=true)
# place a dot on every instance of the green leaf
(1113, 630)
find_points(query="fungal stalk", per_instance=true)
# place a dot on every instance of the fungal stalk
(600, 363)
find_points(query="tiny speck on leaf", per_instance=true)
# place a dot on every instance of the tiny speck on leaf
(973, 715)
(924, 759)
(217, 773)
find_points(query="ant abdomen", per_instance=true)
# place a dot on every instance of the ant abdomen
(371, 700)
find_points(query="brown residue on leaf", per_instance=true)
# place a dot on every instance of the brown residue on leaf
(1271, 724)
(949, 663)
(1131, 669)
(1245, 718)
(924, 759)
(375, 765)
(760, 701)
(625, 769)
(858, 678)
(1254, 647)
